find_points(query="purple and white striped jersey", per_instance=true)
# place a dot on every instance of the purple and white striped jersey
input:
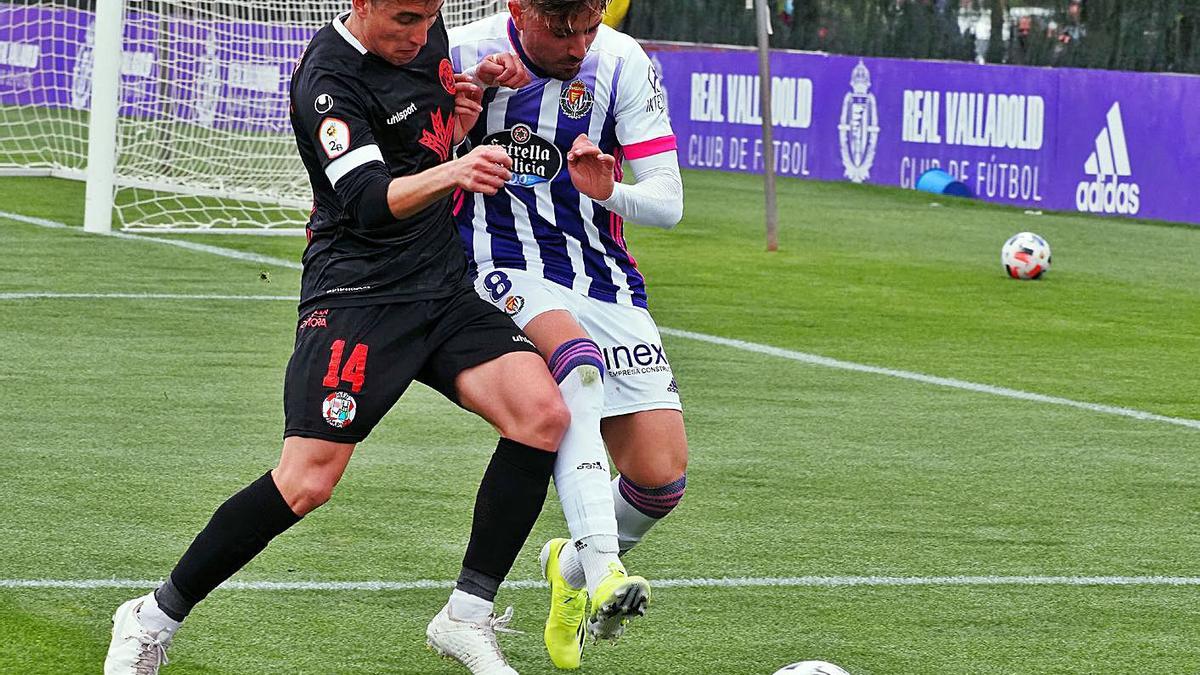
(540, 222)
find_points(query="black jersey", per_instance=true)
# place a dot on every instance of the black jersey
(351, 112)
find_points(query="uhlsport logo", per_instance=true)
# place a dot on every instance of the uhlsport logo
(1108, 164)
(858, 130)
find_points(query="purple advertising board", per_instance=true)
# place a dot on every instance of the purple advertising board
(1064, 139)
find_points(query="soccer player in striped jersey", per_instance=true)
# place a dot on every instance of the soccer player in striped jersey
(550, 250)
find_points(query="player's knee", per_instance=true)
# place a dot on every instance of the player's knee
(658, 470)
(303, 494)
(539, 420)
(551, 419)
(314, 494)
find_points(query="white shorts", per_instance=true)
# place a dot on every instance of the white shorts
(639, 376)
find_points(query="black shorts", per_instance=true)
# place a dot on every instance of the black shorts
(351, 364)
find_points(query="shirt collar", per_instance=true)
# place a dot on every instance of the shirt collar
(340, 26)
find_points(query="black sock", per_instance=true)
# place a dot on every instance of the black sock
(510, 499)
(239, 530)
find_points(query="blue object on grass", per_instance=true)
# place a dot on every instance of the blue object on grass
(939, 182)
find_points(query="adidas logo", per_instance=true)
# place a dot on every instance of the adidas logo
(1108, 164)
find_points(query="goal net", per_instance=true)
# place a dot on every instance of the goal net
(199, 138)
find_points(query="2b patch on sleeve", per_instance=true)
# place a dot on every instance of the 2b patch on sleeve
(334, 135)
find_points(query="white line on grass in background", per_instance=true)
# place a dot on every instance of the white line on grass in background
(189, 245)
(41, 222)
(48, 295)
(827, 362)
(803, 357)
(734, 582)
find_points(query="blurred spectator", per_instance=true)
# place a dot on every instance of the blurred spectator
(787, 12)
(1074, 29)
(1020, 41)
(614, 16)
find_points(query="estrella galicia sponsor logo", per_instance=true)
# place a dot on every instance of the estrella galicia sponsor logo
(635, 359)
(858, 129)
(1108, 164)
(535, 160)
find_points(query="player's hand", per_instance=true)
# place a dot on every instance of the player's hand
(503, 70)
(484, 169)
(468, 104)
(591, 170)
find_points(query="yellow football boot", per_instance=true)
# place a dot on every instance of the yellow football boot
(564, 625)
(618, 598)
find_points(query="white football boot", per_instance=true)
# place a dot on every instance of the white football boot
(471, 644)
(134, 649)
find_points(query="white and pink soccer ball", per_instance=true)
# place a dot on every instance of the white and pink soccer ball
(1025, 256)
(811, 668)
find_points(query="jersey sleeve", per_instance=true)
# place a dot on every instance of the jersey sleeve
(643, 127)
(333, 119)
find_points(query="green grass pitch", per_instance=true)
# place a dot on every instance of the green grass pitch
(129, 420)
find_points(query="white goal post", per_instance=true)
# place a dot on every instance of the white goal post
(175, 112)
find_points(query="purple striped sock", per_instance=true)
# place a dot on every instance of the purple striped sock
(653, 502)
(572, 354)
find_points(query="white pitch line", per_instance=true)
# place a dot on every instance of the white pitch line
(189, 245)
(803, 357)
(729, 582)
(40, 222)
(50, 295)
(816, 360)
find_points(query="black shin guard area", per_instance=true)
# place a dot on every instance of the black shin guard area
(510, 498)
(239, 530)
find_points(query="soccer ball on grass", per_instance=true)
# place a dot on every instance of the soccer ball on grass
(1025, 256)
(811, 668)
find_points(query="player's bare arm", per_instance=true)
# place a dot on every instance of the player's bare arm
(484, 170)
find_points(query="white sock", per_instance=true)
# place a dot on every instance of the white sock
(151, 616)
(632, 524)
(581, 476)
(469, 608)
(570, 566)
(594, 555)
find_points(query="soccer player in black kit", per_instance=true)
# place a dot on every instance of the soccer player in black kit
(385, 299)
